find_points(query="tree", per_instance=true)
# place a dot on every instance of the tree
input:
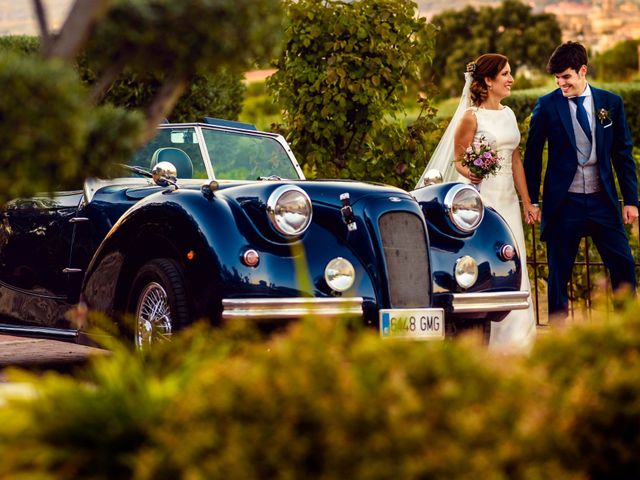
(215, 94)
(341, 77)
(186, 38)
(512, 29)
(619, 63)
(56, 135)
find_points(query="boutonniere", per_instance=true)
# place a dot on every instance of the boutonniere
(605, 119)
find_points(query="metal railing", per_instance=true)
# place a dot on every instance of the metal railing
(581, 291)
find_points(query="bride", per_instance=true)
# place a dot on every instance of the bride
(480, 114)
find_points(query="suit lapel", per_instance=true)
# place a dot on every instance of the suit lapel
(562, 105)
(598, 103)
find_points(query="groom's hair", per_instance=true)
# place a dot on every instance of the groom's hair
(568, 55)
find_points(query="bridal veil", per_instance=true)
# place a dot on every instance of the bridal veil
(444, 154)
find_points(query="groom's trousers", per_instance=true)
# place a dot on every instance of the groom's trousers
(582, 215)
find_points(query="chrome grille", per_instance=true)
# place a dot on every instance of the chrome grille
(405, 252)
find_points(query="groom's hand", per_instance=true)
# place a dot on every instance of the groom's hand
(629, 214)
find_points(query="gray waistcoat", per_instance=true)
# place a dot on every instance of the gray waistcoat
(587, 178)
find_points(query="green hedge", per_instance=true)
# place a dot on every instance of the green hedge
(325, 401)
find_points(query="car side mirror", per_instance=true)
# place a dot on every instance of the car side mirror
(432, 177)
(164, 174)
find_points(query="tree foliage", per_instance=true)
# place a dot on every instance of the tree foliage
(512, 29)
(619, 63)
(341, 77)
(58, 131)
(175, 41)
(217, 94)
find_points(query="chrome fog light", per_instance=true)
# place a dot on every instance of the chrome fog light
(339, 274)
(289, 209)
(464, 207)
(466, 271)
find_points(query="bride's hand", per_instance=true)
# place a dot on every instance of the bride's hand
(474, 178)
(532, 213)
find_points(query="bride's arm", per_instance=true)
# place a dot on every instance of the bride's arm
(462, 139)
(531, 212)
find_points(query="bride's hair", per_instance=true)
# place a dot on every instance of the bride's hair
(485, 66)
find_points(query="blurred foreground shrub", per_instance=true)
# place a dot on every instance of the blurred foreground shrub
(324, 401)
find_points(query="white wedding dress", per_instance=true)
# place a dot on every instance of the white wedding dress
(517, 331)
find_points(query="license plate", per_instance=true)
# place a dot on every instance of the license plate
(412, 323)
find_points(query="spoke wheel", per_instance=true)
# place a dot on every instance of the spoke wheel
(153, 316)
(158, 301)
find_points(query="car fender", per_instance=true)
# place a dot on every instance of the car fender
(169, 224)
(495, 274)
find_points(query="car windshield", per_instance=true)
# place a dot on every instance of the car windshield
(235, 155)
(179, 146)
(245, 156)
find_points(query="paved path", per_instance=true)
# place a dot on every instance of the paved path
(36, 353)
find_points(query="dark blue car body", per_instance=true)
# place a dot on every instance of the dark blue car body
(213, 243)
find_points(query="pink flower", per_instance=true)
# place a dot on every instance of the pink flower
(481, 158)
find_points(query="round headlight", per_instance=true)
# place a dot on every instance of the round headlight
(289, 209)
(339, 274)
(466, 271)
(464, 206)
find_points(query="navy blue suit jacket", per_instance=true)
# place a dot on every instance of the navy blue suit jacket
(551, 122)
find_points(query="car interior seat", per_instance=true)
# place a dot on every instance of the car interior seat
(179, 159)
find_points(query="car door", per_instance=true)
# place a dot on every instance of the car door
(35, 242)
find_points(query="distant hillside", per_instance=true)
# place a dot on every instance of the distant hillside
(16, 16)
(431, 7)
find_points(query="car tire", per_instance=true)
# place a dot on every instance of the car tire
(158, 301)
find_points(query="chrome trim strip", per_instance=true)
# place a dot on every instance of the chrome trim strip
(33, 293)
(489, 301)
(289, 308)
(204, 152)
(40, 332)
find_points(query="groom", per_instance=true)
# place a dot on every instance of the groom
(588, 138)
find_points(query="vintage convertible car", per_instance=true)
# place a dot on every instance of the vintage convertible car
(215, 220)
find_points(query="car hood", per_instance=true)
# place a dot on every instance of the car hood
(325, 192)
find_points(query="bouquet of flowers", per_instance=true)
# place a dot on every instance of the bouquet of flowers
(481, 159)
